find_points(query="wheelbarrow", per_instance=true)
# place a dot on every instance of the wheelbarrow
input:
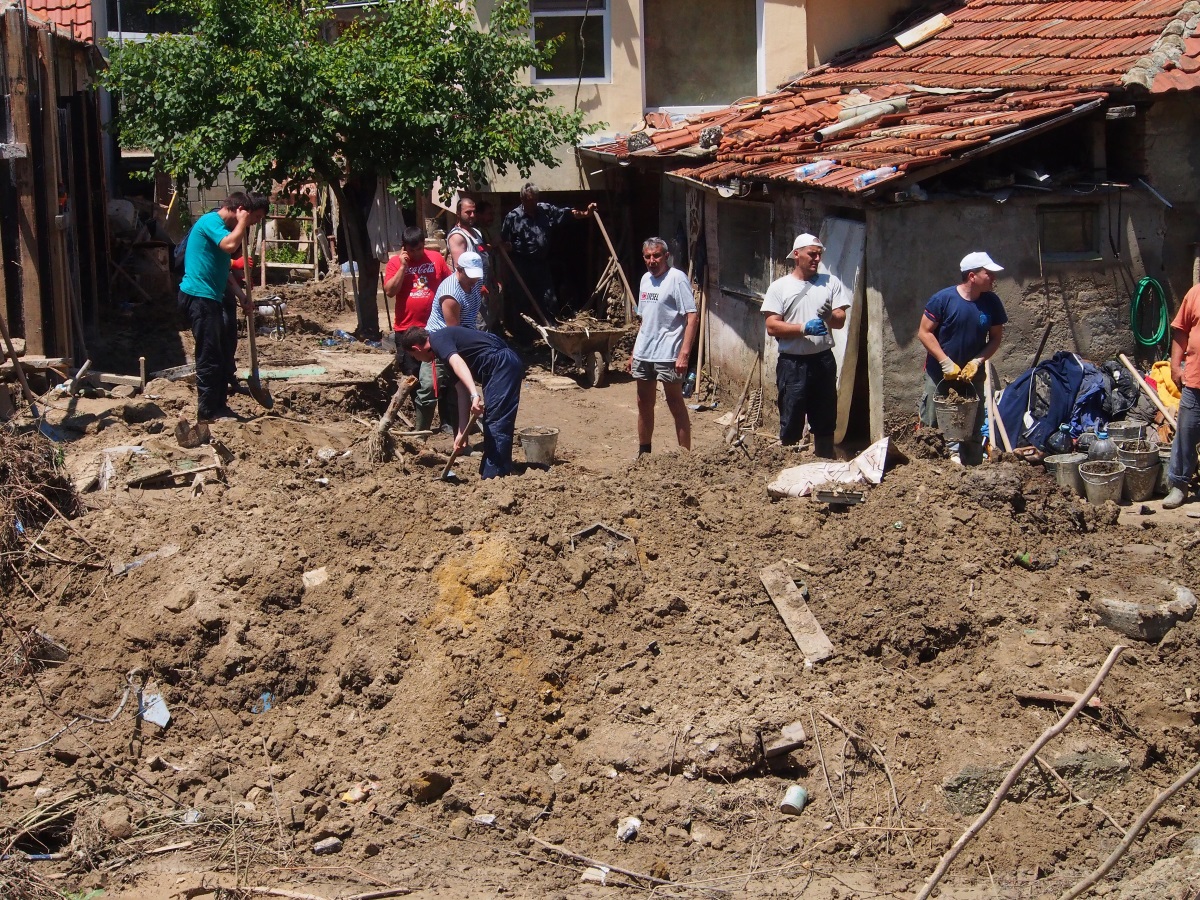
(590, 348)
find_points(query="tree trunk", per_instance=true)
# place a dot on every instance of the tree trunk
(354, 199)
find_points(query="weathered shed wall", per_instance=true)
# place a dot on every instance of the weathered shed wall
(914, 250)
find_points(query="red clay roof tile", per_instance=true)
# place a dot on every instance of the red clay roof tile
(1013, 64)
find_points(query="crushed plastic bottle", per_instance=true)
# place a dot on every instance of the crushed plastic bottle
(814, 169)
(874, 175)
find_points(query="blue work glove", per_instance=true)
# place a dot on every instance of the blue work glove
(815, 327)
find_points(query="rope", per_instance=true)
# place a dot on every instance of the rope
(1161, 333)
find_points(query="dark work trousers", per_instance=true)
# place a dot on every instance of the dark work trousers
(206, 317)
(501, 395)
(807, 386)
(229, 320)
(536, 275)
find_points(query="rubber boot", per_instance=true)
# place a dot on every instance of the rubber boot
(423, 418)
(823, 447)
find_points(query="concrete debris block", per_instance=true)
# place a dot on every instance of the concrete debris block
(122, 391)
(328, 846)
(1166, 878)
(1147, 622)
(1092, 774)
(1089, 774)
(791, 737)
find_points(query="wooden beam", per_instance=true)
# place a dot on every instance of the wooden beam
(16, 67)
(789, 601)
(53, 177)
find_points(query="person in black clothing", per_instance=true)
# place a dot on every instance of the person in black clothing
(474, 355)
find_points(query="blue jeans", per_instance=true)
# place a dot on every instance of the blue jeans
(1187, 436)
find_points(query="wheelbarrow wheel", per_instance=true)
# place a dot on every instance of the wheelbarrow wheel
(595, 368)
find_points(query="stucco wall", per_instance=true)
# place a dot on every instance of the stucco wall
(913, 250)
(737, 332)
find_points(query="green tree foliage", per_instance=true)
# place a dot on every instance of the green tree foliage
(414, 90)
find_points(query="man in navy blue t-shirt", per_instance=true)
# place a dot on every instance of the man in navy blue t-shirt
(478, 355)
(962, 328)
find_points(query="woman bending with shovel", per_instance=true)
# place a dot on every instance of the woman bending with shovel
(477, 355)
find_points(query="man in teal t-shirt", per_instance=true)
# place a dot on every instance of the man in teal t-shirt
(211, 244)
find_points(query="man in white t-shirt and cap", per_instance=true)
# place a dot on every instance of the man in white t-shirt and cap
(801, 308)
(664, 342)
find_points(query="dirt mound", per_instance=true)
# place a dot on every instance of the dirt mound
(445, 678)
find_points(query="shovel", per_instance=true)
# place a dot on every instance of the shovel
(447, 475)
(257, 389)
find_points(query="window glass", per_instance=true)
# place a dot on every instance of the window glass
(582, 48)
(700, 54)
(1069, 231)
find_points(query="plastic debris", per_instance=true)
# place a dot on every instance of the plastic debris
(119, 568)
(628, 828)
(263, 703)
(153, 709)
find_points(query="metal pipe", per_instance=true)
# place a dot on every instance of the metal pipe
(860, 116)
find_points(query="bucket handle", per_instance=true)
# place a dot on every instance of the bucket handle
(957, 381)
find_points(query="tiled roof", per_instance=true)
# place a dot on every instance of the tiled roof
(1001, 68)
(73, 15)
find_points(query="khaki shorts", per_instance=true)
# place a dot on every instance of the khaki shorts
(644, 370)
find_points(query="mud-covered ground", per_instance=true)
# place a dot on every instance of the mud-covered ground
(471, 691)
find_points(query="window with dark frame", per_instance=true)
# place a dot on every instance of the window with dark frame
(1069, 232)
(582, 26)
(744, 243)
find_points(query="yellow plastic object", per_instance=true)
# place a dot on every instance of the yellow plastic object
(1168, 393)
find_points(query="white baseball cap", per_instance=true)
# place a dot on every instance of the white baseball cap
(807, 240)
(471, 263)
(979, 260)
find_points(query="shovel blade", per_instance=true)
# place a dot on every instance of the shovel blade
(259, 392)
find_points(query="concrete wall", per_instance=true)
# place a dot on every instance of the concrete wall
(1170, 140)
(737, 331)
(913, 250)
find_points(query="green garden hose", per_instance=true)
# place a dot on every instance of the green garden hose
(1161, 333)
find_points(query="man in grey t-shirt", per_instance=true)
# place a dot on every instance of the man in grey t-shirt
(664, 342)
(801, 308)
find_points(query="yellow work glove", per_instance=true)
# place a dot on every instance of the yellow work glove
(970, 370)
(950, 369)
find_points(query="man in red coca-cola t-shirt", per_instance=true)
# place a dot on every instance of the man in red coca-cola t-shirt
(412, 277)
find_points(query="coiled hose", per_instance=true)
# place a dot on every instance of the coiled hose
(1161, 336)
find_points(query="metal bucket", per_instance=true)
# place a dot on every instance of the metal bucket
(1103, 480)
(1126, 430)
(1137, 454)
(956, 421)
(539, 444)
(1065, 469)
(1140, 483)
(1164, 475)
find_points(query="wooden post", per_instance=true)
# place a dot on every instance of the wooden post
(15, 65)
(629, 301)
(52, 177)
